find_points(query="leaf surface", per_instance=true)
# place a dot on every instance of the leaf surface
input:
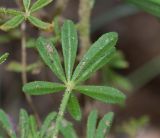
(26, 4)
(74, 107)
(102, 93)
(69, 46)
(12, 23)
(96, 57)
(42, 87)
(51, 57)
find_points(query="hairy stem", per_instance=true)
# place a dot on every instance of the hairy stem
(61, 112)
(24, 66)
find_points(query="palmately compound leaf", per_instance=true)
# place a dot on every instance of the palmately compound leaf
(102, 93)
(51, 57)
(104, 125)
(23, 124)
(39, 23)
(12, 23)
(96, 57)
(6, 124)
(150, 6)
(42, 87)
(91, 124)
(46, 124)
(12, 12)
(26, 4)
(67, 130)
(3, 57)
(39, 4)
(74, 107)
(69, 46)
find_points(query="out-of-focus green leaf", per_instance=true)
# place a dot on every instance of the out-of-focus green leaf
(74, 107)
(42, 87)
(12, 23)
(39, 23)
(46, 124)
(33, 133)
(23, 124)
(17, 67)
(69, 46)
(67, 130)
(150, 6)
(4, 121)
(51, 57)
(13, 12)
(91, 124)
(39, 4)
(96, 57)
(3, 57)
(102, 93)
(104, 125)
(26, 4)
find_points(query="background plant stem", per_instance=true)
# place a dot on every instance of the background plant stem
(61, 112)
(24, 66)
(85, 8)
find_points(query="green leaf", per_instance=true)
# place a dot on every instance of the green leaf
(39, 4)
(12, 23)
(24, 124)
(33, 127)
(46, 124)
(13, 12)
(69, 46)
(51, 57)
(104, 125)
(42, 87)
(91, 124)
(3, 57)
(4, 121)
(17, 67)
(67, 130)
(26, 4)
(96, 57)
(102, 93)
(150, 6)
(74, 107)
(39, 23)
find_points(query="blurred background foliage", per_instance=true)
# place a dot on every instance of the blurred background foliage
(134, 69)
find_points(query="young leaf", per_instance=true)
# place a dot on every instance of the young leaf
(3, 57)
(102, 93)
(51, 57)
(24, 124)
(69, 46)
(26, 4)
(12, 23)
(13, 12)
(39, 23)
(147, 5)
(46, 124)
(96, 57)
(33, 127)
(91, 124)
(4, 121)
(42, 87)
(104, 125)
(74, 107)
(67, 130)
(39, 4)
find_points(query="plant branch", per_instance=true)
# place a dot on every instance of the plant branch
(24, 66)
(61, 112)
(85, 8)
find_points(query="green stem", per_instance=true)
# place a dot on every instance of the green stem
(61, 112)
